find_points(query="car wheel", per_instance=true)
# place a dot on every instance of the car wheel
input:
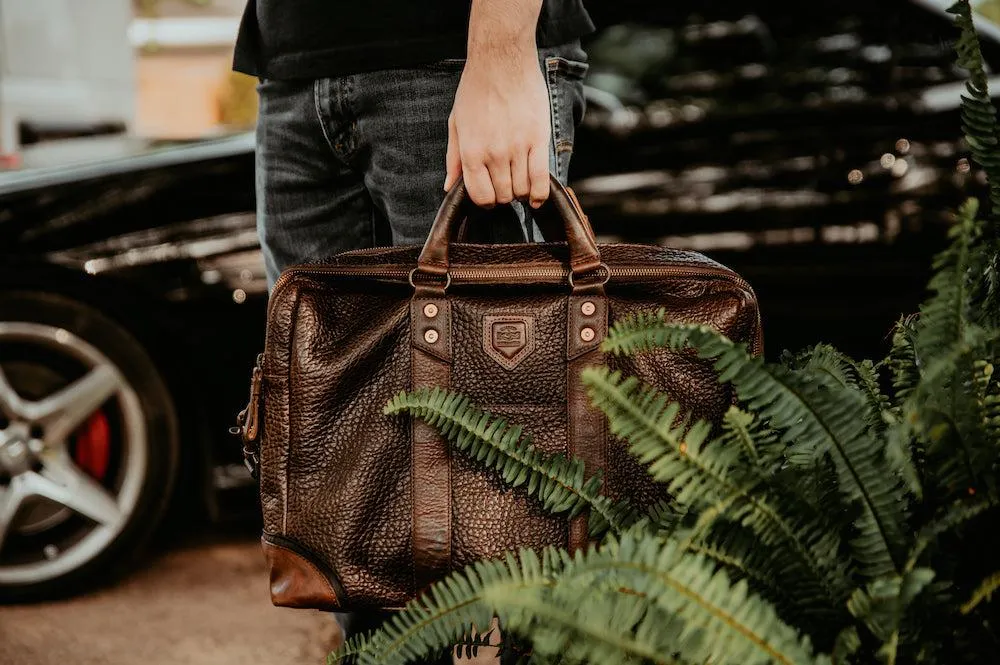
(88, 446)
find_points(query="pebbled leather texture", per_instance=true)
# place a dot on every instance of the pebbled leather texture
(344, 480)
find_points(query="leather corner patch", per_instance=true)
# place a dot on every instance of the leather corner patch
(508, 339)
(296, 581)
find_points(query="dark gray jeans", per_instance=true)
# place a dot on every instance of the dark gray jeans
(359, 161)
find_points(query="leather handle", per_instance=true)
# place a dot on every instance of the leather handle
(584, 256)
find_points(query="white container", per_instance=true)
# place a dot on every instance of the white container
(64, 64)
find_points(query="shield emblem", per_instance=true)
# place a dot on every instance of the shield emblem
(508, 339)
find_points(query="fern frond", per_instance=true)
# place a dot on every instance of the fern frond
(988, 394)
(723, 622)
(665, 516)
(863, 377)
(984, 592)
(882, 604)
(977, 112)
(943, 319)
(735, 549)
(946, 413)
(957, 514)
(815, 417)
(879, 412)
(440, 618)
(760, 443)
(601, 626)
(708, 476)
(556, 481)
(845, 646)
(902, 361)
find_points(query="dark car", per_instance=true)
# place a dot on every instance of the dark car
(812, 147)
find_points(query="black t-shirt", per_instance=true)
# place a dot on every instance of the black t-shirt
(287, 39)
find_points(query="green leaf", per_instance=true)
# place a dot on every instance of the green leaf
(556, 481)
(815, 416)
(845, 646)
(984, 592)
(882, 604)
(723, 622)
(706, 475)
(440, 618)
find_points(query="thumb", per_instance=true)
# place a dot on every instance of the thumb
(453, 160)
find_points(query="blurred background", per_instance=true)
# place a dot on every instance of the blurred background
(813, 147)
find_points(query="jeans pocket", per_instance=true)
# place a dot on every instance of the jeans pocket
(564, 79)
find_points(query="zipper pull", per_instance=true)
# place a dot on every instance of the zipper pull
(247, 421)
(251, 421)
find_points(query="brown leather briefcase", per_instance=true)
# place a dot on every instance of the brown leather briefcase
(364, 510)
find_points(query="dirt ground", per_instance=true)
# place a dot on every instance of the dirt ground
(200, 605)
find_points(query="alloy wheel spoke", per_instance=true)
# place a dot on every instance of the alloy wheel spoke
(63, 411)
(62, 481)
(10, 500)
(11, 403)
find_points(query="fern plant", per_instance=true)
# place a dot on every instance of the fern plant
(823, 521)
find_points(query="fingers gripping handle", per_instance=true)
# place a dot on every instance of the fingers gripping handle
(583, 253)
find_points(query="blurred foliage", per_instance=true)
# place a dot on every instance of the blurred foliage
(238, 101)
(151, 8)
(990, 9)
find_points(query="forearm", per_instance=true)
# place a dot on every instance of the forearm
(502, 27)
(499, 129)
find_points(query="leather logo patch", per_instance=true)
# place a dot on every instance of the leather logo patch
(508, 339)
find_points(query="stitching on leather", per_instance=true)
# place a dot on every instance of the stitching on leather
(315, 569)
(414, 349)
(529, 339)
(420, 347)
(288, 443)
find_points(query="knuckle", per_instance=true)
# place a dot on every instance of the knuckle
(538, 169)
(481, 199)
(472, 160)
(497, 155)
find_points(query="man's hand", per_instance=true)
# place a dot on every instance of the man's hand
(499, 131)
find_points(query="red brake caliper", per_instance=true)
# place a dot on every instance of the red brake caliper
(92, 449)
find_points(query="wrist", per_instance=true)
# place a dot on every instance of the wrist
(502, 30)
(493, 51)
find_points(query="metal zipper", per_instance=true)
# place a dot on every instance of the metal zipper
(248, 419)
(473, 274)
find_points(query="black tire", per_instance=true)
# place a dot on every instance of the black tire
(162, 440)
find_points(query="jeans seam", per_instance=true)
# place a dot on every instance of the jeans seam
(553, 107)
(320, 118)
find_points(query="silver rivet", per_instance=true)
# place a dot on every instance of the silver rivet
(430, 336)
(588, 308)
(587, 334)
(430, 310)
